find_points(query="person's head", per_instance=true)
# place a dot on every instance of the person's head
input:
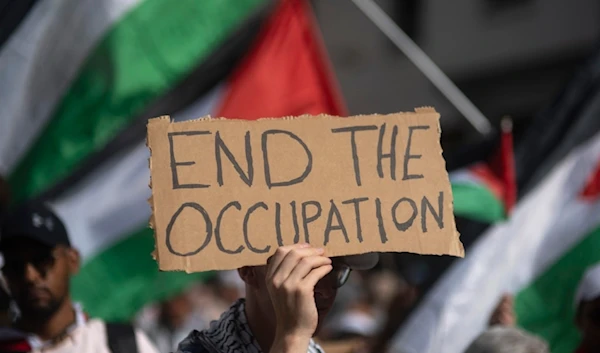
(587, 305)
(38, 260)
(502, 339)
(325, 290)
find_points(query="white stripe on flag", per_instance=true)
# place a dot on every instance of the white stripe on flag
(546, 224)
(39, 62)
(463, 176)
(112, 202)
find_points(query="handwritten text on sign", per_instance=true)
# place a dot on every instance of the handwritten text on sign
(227, 193)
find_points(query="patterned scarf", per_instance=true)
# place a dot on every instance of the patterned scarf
(229, 334)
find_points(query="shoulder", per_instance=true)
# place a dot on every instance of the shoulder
(95, 325)
(192, 344)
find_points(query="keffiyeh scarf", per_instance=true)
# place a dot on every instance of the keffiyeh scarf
(229, 334)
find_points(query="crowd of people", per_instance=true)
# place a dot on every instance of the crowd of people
(354, 318)
(301, 301)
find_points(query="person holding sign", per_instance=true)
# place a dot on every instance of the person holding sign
(237, 194)
(285, 304)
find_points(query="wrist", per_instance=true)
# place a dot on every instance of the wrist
(290, 343)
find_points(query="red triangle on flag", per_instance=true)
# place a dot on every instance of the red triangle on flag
(591, 191)
(286, 72)
(503, 165)
(498, 173)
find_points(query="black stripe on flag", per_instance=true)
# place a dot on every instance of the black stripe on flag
(12, 13)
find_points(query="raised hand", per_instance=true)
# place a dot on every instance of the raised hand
(292, 274)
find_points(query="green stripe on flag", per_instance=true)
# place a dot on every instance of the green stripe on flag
(118, 282)
(145, 54)
(476, 202)
(546, 306)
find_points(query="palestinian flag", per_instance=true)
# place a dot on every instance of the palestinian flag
(541, 253)
(485, 188)
(81, 78)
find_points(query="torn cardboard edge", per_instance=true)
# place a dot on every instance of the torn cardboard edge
(209, 118)
(151, 221)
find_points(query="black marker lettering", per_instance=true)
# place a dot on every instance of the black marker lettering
(405, 225)
(246, 219)
(438, 216)
(204, 214)
(218, 229)
(356, 203)
(295, 221)
(265, 153)
(392, 155)
(352, 130)
(278, 223)
(308, 219)
(220, 146)
(333, 210)
(382, 233)
(408, 156)
(175, 164)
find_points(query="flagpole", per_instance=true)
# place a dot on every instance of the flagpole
(425, 64)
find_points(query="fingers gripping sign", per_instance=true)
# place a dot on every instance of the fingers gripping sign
(292, 274)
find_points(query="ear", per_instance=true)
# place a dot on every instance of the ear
(73, 260)
(250, 275)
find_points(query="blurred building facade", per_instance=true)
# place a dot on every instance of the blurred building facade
(510, 57)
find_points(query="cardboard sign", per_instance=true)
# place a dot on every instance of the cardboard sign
(226, 193)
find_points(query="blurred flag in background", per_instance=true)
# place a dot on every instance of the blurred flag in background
(81, 78)
(541, 253)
